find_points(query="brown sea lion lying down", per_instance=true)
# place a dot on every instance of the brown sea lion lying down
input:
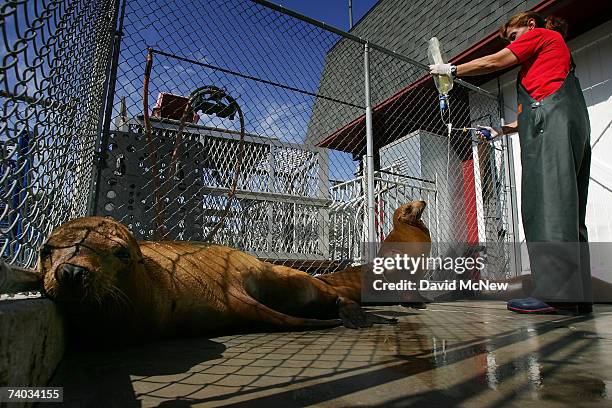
(111, 285)
(408, 228)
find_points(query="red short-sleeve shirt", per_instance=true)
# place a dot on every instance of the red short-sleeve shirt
(545, 61)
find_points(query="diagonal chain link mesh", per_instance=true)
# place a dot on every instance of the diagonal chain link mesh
(463, 179)
(301, 191)
(289, 185)
(52, 77)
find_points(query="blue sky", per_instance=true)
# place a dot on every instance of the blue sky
(243, 37)
(332, 12)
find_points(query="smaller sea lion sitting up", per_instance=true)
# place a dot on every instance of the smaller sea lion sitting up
(408, 228)
(110, 285)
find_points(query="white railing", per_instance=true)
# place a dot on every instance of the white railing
(348, 217)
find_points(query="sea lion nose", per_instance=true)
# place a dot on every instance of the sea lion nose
(71, 274)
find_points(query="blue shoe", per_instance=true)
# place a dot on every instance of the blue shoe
(530, 305)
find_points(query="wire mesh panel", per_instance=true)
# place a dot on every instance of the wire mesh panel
(433, 142)
(52, 76)
(430, 151)
(348, 212)
(270, 64)
(252, 134)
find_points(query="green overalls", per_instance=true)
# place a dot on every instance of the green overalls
(556, 158)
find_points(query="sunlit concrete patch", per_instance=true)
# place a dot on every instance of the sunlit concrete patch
(452, 354)
(31, 341)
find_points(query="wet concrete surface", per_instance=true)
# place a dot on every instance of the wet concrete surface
(470, 354)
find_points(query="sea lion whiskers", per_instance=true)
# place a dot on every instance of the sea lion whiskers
(123, 301)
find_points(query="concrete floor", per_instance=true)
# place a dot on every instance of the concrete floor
(452, 354)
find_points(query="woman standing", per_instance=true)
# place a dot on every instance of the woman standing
(554, 132)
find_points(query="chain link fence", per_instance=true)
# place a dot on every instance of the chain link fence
(52, 76)
(288, 184)
(252, 133)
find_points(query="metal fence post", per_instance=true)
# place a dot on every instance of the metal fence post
(370, 147)
(512, 203)
(516, 263)
(106, 109)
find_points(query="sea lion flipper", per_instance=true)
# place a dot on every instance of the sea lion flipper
(354, 317)
(14, 279)
(376, 319)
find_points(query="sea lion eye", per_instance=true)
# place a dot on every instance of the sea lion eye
(123, 254)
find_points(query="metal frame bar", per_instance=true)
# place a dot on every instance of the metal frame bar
(252, 78)
(106, 110)
(370, 148)
(192, 128)
(263, 196)
(361, 40)
(512, 203)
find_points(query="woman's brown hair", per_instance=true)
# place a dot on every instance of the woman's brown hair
(522, 19)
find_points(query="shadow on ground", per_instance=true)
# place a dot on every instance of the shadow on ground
(463, 353)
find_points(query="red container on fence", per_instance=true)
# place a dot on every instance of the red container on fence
(170, 106)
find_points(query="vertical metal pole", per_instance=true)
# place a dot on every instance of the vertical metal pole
(512, 203)
(106, 110)
(516, 263)
(370, 147)
(350, 7)
(323, 220)
(480, 209)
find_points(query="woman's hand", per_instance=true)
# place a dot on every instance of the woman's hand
(440, 69)
(487, 133)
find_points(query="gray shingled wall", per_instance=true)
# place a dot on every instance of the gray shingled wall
(405, 27)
